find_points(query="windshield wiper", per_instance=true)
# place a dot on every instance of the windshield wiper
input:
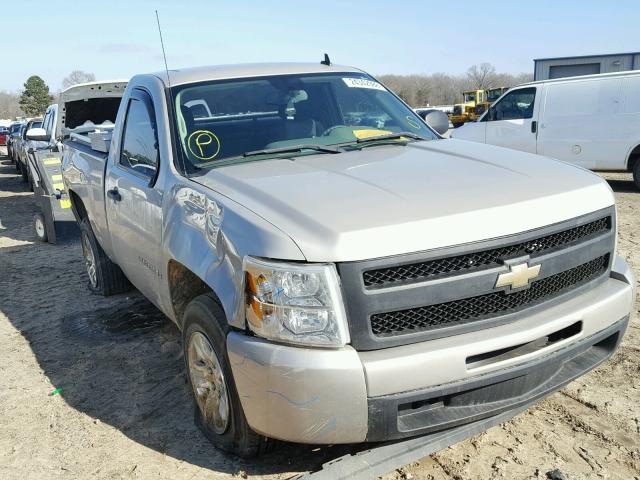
(267, 151)
(391, 136)
(293, 148)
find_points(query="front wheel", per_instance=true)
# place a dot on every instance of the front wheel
(24, 171)
(218, 412)
(40, 227)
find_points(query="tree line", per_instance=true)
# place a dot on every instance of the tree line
(35, 97)
(446, 89)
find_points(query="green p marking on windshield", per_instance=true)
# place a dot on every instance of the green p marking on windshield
(203, 144)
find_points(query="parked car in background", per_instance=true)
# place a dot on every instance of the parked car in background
(17, 150)
(592, 121)
(47, 139)
(14, 134)
(4, 135)
(22, 147)
(342, 277)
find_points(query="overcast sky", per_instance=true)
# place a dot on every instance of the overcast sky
(117, 39)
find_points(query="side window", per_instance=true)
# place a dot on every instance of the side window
(516, 105)
(139, 150)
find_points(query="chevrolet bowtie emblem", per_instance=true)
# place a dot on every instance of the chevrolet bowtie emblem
(518, 276)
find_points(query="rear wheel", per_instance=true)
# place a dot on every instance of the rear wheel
(40, 227)
(218, 412)
(105, 277)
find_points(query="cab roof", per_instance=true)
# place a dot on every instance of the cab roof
(221, 72)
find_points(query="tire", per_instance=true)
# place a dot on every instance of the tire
(205, 322)
(25, 173)
(636, 173)
(105, 277)
(40, 227)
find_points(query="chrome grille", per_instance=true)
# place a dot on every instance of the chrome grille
(496, 303)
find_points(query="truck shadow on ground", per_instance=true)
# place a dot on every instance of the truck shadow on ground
(117, 359)
(13, 184)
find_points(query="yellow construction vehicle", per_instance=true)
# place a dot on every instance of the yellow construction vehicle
(465, 111)
(474, 104)
(492, 94)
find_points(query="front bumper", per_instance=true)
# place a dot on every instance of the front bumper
(324, 396)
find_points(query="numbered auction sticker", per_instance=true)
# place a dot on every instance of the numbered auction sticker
(363, 83)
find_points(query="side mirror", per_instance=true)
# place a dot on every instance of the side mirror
(492, 114)
(38, 135)
(437, 120)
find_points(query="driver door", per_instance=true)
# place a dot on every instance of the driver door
(512, 122)
(133, 204)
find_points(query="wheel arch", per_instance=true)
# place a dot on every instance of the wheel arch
(77, 206)
(184, 286)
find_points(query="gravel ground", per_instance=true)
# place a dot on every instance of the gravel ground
(125, 410)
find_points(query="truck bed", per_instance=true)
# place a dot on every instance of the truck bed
(81, 148)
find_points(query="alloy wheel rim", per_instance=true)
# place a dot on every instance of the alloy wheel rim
(207, 380)
(89, 261)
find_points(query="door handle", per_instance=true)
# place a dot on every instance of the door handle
(534, 126)
(114, 194)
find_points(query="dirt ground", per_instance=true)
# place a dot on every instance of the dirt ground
(125, 411)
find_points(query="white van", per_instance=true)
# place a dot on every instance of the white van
(592, 121)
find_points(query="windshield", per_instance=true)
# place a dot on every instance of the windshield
(225, 120)
(469, 97)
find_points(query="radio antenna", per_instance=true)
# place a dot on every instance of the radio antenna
(164, 55)
(172, 109)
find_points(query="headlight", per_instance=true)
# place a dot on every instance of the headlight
(295, 303)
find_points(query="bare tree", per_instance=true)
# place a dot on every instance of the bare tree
(75, 77)
(482, 76)
(9, 106)
(445, 89)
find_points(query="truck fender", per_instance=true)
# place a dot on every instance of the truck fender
(208, 235)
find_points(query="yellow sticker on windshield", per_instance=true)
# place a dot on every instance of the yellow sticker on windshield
(52, 161)
(366, 133)
(203, 144)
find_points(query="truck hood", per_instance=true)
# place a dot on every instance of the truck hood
(389, 200)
